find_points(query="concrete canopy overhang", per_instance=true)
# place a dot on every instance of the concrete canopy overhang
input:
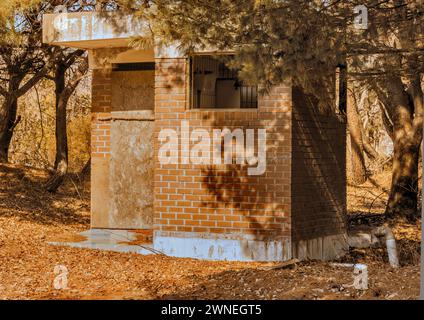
(91, 30)
(106, 37)
(94, 30)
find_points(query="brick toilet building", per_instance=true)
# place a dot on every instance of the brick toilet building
(292, 207)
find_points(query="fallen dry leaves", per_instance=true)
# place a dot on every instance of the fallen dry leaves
(28, 220)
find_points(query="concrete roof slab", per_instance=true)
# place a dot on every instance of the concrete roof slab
(90, 30)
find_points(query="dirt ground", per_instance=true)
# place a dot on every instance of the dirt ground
(30, 217)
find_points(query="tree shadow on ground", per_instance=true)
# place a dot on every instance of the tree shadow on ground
(22, 195)
(248, 283)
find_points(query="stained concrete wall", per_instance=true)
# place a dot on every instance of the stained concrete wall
(131, 173)
(133, 90)
(100, 193)
(132, 153)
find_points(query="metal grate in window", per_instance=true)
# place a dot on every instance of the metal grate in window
(248, 97)
(213, 84)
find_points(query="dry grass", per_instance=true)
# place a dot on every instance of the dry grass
(366, 205)
(370, 197)
(30, 217)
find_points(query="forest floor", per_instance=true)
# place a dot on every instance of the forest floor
(31, 217)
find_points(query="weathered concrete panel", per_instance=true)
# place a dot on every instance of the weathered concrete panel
(132, 153)
(133, 90)
(131, 174)
(99, 192)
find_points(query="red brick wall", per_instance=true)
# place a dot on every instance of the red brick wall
(101, 108)
(222, 200)
(100, 147)
(318, 171)
(302, 194)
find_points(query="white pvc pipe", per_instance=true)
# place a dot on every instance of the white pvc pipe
(392, 251)
(385, 231)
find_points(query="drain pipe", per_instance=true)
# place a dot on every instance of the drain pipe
(386, 232)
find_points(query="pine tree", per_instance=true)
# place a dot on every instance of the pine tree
(380, 42)
(21, 65)
(25, 60)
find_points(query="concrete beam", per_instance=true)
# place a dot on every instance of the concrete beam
(90, 30)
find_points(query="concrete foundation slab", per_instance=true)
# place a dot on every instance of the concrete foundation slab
(110, 240)
(322, 248)
(247, 250)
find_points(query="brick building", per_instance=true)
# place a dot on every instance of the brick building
(201, 205)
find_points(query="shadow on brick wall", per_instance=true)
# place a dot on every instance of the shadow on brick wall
(318, 170)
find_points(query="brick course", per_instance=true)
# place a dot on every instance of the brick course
(100, 116)
(222, 199)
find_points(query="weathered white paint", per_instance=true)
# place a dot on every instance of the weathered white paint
(90, 29)
(322, 248)
(223, 249)
(93, 30)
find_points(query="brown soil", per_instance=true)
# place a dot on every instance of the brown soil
(30, 217)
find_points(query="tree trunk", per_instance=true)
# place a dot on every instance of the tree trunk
(404, 191)
(8, 119)
(407, 133)
(369, 149)
(358, 169)
(63, 91)
(86, 170)
(61, 158)
(6, 131)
